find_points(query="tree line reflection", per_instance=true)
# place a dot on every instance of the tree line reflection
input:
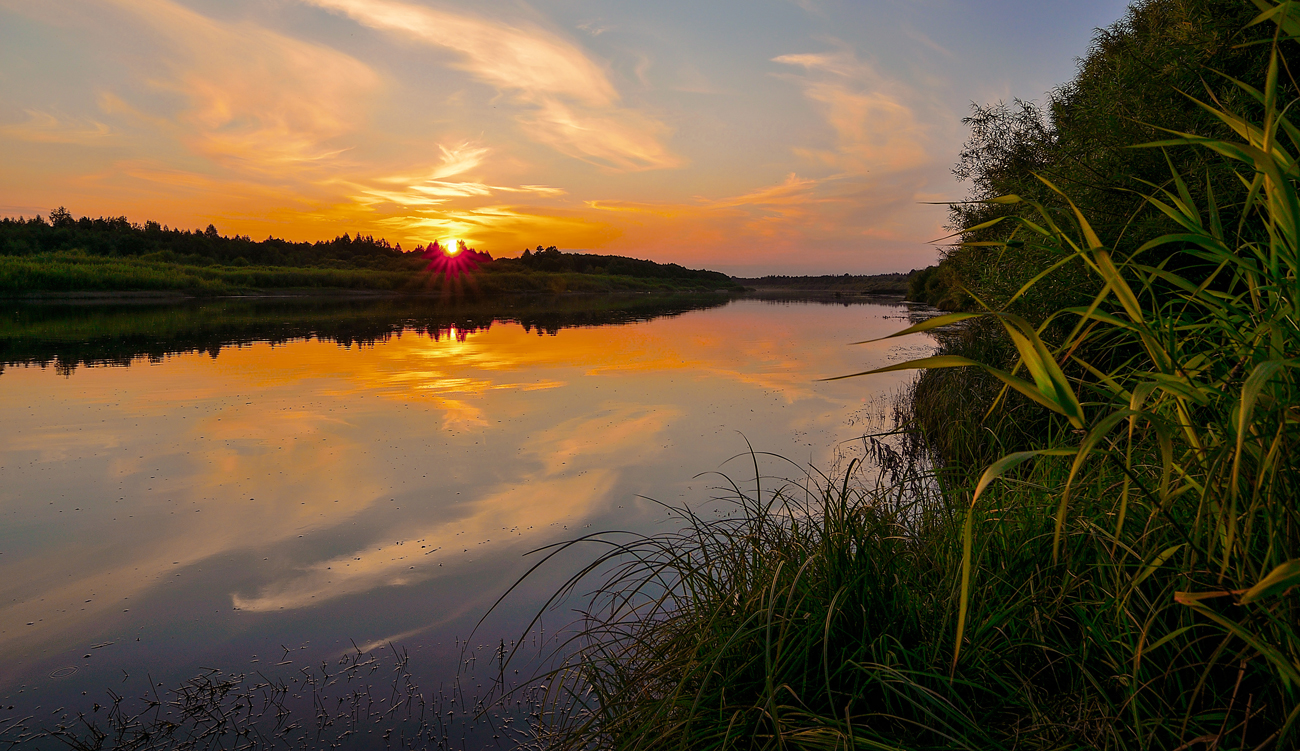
(66, 336)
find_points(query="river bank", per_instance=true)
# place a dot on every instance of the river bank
(1087, 537)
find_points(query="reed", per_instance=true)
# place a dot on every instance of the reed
(1129, 580)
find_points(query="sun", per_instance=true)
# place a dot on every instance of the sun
(451, 247)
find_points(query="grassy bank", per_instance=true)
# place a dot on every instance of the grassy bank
(1121, 573)
(74, 271)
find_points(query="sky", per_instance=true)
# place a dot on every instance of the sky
(751, 137)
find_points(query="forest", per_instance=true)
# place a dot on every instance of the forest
(65, 254)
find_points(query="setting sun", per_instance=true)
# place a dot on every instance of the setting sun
(451, 247)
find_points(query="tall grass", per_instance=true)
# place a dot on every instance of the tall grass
(1132, 580)
(74, 271)
(77, 272)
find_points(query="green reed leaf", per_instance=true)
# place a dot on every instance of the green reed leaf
(1250, 391)
(927, 325)
(1156, 563)
(1286, 15)
(963, 598)
(1053, 388)
(1286, 668)
(1280, 579)
(993, 472)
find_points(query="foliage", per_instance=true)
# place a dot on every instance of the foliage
(1137, 75)
(1129, 580)
(873, 284)
(66, 254)
(76, 272)
(552, 260)
(116, 237)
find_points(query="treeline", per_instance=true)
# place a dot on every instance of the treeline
(1082, 150)
(65, 254)
(1134, 86)
(870, 284)
(118, 237)
(553, 260)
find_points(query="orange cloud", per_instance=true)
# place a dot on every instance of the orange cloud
(43, 127)
(876, 130)
(258, 101)
(571, 104)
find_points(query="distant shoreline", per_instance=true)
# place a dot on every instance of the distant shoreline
(91, 297)
(317, 293)
(844, 284)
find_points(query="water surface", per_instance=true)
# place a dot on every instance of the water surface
(241, 485)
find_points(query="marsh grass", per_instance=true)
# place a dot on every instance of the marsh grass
(74, 271)
(1130, 580)
(77, 272)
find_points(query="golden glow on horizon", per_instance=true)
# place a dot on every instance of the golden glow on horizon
(530, 134)
(451, 247)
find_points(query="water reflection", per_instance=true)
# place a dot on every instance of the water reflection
(256, 478)
(68, 335)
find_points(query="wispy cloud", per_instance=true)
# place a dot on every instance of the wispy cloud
(877, 131)
(44, 127)
(258, 101)
(455, 160)
(569, 101)
(432, 188)
(593, 27)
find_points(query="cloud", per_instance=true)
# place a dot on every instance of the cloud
(877, 131)
(593, 27)
(570, 103)
(258, 101)
(455, 160)
(432, 189)
(43, 127)
(773, 210)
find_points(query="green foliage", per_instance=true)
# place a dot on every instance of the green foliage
(550, 259)
(1128, 579)
(842, 284)
(116, 237)
(78, 272)
(1135, 80)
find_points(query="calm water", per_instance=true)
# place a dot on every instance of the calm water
(260, 487)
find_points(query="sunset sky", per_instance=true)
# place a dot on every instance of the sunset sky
(765, 136)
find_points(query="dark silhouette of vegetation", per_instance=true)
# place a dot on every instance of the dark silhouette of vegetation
(845, 284)
(553, 260)
(66, 336)
(1132, 87)
(116, 237)
(112, 254)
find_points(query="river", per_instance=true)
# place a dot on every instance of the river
(274, 485)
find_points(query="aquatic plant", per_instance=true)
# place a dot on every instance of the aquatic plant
(1130, 580)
